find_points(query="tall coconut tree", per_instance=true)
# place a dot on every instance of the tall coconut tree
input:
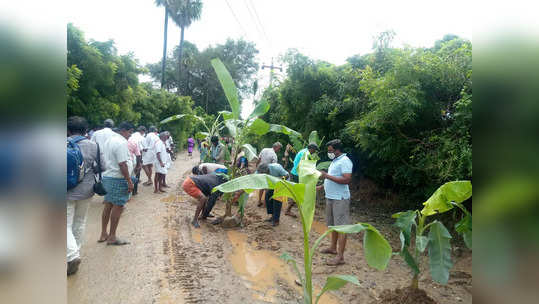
(183, 13)
(164, 4)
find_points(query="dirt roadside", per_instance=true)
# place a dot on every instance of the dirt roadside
(171, 262)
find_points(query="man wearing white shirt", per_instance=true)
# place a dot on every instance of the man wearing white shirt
(137, 139)
(101, 136)
(148, 153)
(117, 182)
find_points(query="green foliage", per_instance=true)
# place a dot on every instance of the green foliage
(448, 196)
(198, 78)
(405, 113)
(377, 249)
(102, 84)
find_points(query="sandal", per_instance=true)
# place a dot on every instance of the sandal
(118, 242)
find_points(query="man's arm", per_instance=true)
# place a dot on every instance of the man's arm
(159, 159)
(125, 173)
(344, 179)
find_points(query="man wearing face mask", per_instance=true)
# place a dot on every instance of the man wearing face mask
(335, 185)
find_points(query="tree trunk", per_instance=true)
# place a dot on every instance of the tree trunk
(164, 50)
(180, 58)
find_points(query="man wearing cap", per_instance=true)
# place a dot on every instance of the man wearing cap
(294, 176)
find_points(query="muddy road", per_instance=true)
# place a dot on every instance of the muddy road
(168, 261)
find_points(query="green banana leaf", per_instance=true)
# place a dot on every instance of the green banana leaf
(228, 86)
(283, 129)
(336, 282)
(250, 152)
(249, 183)
(440, 201)
(226, 114)
(259, 127)
(439, 252)
(323, 165)
(202, 135)
(260, 109)
(405, 221)
(180, 116)
(314, 139)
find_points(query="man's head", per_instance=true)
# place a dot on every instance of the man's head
(263, 168)
(196, 170)
(76, 125)
(125, 129)
(214, 140)
(163, 135)
(277, 146)
(334, 148)
(152, 129)
(312, 148)
(142, 130)
(108, 123)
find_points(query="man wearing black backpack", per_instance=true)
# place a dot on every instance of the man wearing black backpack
(80, 190)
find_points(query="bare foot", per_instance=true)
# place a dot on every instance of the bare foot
(166, 186)
(102, 238)
(148, 184)
(162, 191)
(195, 224)
(328, 251)
(290, 214)
(155, 191)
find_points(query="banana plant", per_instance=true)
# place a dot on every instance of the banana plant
(447, 197)
(376, 248)
(240, 128)
(215, 129)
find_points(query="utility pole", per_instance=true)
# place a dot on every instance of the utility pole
(272, 67)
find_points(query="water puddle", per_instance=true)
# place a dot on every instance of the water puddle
(261, 268)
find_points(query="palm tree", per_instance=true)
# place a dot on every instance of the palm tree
(183, 13)
(164, 4)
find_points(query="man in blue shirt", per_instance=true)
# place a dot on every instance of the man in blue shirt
(310, 150)
(273, 206)
(335, 185)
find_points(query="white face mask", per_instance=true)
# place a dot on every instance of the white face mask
(331, 155)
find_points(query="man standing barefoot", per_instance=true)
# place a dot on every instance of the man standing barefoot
(335, 185)
(117, 182)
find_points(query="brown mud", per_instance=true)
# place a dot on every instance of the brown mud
(172, 262)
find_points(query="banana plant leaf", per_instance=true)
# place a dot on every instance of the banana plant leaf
(228, 86)
(336, 282)
(314, 139)
(259, 127)
(260, 109)
(440, 201)
(283, 129)
(180, 116)
(226, 114)
(250, 152)
(439, 252)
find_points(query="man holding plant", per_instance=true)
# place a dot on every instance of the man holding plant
(337, 192)
(273, 206)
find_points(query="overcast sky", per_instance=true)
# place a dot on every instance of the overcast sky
(325, 30)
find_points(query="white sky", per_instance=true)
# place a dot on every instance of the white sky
(325, 30)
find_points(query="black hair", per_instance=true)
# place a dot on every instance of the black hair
(142, 128)
(336, 144)
(126, 126)
(195, 170)
(214, 139)
(77, 125)
(152, 129)
(108, 123)
(312, 146)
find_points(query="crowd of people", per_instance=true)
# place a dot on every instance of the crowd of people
(108, 161)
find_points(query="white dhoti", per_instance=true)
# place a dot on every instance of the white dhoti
(148, 157)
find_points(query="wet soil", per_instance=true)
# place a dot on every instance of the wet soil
(405, 296)
(169, 261)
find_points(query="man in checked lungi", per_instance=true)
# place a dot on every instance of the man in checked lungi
(117, 181)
